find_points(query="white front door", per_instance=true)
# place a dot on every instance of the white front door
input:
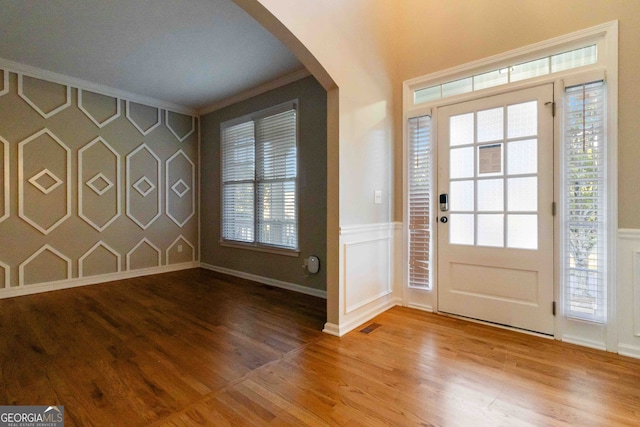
(495, 236)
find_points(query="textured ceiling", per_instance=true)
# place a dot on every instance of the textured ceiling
(188, 52)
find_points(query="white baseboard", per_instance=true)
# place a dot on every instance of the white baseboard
(92, 280)
(267, 281)
(362, 318)
(331, 329)
(584, 342)
(629, 350)
(421, 307)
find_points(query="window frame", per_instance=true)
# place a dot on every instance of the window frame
(254, 117)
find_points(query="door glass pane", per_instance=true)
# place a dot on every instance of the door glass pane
(522, 231)
(522, 194)
(522, 119)
(490, 195)
(461, 229)
(491, 230)
(490, 124)
(490, 161)
(461, 129)
(461, 196)
(461, 163)
(522, 157)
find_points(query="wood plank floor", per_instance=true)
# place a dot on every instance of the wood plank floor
(199, 348)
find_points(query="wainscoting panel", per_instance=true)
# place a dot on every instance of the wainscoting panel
(367, 272)
(628, 289)
(366, 275)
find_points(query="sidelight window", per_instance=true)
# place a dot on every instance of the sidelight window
(585, 210)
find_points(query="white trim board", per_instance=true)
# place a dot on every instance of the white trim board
(46, 115)
(146, 241)
(6, 211)
(629, 233)
(629, 351)
(361, 318)
(175, 242)
(347, 230)
(16, 291)
(82, 183)
(130, 184)
(28, 70)
(5, 82)
(93, 119)
(518, 54)
(22, 179)
(267, 281)
(186, 135)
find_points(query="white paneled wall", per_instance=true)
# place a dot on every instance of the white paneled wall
(628, 292)
(368, 284)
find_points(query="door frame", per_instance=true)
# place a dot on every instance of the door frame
(605, 36)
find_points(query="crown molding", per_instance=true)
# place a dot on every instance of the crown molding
(257, 90)
(39, 73)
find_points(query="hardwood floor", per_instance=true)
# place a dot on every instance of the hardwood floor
(199, 348)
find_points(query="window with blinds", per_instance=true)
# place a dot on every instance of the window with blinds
(259, 174)
(420, 180)
(585, 208)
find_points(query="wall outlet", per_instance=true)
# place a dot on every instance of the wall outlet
(179, 248)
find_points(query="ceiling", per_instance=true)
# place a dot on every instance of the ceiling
(193, 53)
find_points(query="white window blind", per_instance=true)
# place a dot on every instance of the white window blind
(276, 179)
(420, 179)
(585, 207)
(259, 173)
(238, 172)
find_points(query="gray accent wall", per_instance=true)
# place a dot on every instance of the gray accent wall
(312, 188)
(91, 186)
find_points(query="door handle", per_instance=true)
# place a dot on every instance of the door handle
(444, 219)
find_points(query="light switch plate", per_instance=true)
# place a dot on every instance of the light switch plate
(377, 197)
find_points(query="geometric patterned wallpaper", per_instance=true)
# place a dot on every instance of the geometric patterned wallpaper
(91, 185)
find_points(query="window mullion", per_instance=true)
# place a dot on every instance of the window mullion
(256, 226)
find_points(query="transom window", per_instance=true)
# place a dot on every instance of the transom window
(259, 178)
(550, 64)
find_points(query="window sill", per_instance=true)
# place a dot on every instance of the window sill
(267, 249)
